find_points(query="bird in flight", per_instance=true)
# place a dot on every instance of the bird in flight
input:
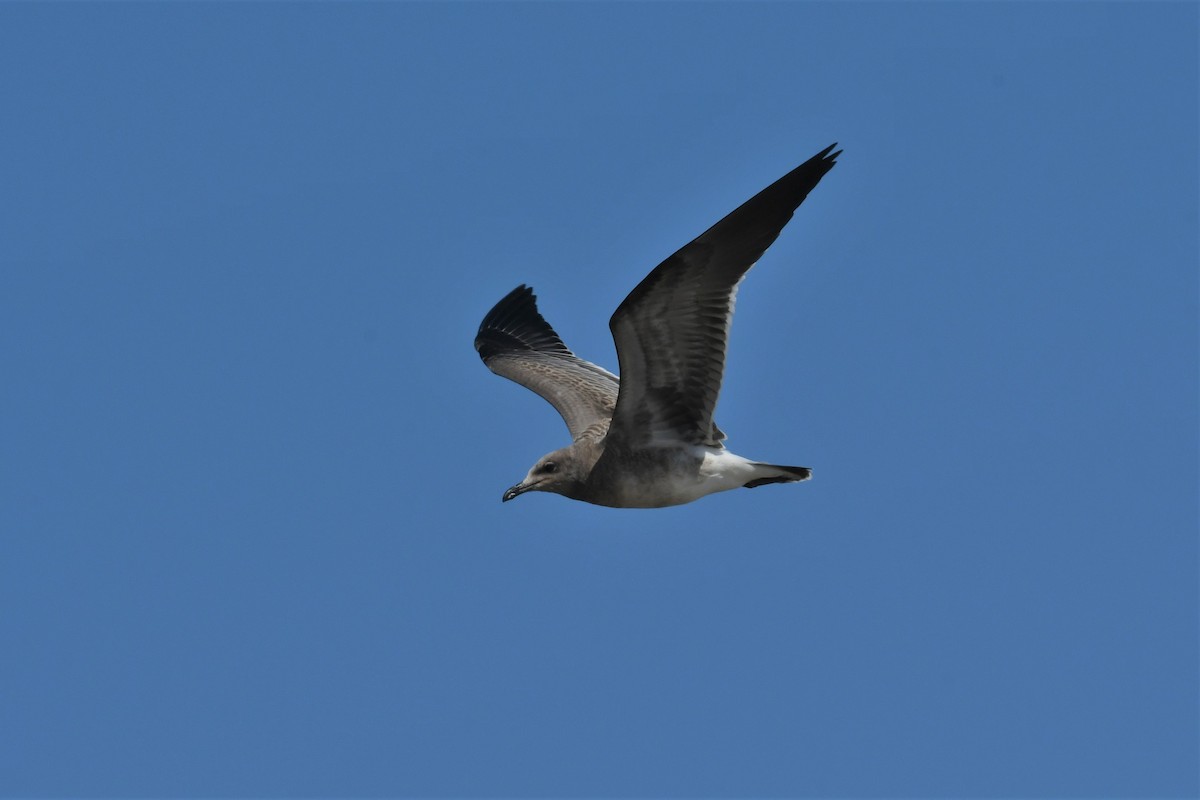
(648, 439)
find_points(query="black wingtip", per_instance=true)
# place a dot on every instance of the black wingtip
(511, 304)
(827, 155)
(514, 323)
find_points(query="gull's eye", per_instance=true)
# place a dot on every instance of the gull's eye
(549, 466)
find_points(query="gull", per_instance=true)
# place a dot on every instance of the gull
(647, 439)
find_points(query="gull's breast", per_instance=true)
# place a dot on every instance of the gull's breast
(673, 476)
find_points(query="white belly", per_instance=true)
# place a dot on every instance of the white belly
(722, 470)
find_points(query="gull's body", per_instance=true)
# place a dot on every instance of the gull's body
(648, 439)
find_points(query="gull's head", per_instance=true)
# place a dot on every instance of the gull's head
(557, 472)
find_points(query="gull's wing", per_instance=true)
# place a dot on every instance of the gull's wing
(671, 331)
(516, 342)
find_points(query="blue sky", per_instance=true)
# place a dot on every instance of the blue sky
(250, 487)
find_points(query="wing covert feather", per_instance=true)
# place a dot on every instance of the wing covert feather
(517, 343)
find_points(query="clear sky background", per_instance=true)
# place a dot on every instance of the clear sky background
(250, 465)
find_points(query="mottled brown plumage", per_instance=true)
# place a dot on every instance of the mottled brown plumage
(648, 439)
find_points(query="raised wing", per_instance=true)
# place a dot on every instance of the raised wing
(516, 342)
(671, 331)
